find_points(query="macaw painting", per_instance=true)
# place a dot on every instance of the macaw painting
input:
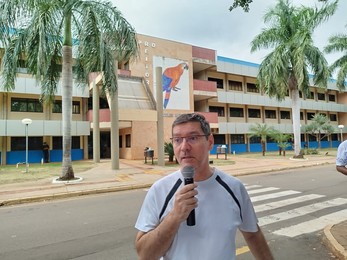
(171, 77)
(175, 83)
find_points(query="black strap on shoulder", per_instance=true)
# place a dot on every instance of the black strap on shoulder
(169, 196)
(225, 186)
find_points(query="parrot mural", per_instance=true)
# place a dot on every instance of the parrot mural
(171, 77)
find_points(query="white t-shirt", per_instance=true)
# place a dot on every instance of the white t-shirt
(218, 216)
(341, 156)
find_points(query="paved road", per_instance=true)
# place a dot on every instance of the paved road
(92, 227)
(101, 227)
(293, 208)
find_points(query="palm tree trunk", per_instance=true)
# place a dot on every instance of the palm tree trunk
(67, 171)
(296, 121)
(114, 130)
(263, 147)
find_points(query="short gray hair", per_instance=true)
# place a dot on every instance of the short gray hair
(193, 117)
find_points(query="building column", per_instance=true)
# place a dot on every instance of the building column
(96, 124)
(3, 149)
(160, 117)
(85, 147)
(114, 109)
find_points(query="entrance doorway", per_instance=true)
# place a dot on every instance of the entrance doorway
(105, 145)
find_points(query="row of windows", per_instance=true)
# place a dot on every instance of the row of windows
(270, 114)
(34, 105)
(26, 105)
(252, 88)
(35, 143)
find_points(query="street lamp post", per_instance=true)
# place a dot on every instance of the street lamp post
(341, 127)
(26, 122)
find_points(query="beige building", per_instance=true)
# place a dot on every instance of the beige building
(190, 79)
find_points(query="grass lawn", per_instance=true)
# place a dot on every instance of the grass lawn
(12, 174)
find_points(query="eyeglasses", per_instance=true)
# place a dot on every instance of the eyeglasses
(193, 139)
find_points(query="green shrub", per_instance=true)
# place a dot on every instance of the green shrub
(311, 151)
(168, 148)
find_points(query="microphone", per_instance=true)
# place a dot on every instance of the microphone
(188, 175)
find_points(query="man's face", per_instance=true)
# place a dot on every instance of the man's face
(193, 150)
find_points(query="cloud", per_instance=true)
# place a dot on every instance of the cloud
(209, 24)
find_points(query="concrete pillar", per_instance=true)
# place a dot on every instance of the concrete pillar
(85, 147)
(160, 117)
(115, 126)
(3, 144)
(96, 124)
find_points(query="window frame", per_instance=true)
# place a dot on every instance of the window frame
(270, 114)
(254, 113)
(29, 105)
(235, 85)
(232, 111)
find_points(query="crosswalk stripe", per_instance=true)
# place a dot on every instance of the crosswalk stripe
(287, 202)
(248, 187)
(262, 190)
(274, 195)
(297, 212)
(303, 227)
(312, 225)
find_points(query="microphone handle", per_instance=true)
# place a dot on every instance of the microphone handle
(191, 217)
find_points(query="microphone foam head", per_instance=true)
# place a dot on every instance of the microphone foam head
(188, 172)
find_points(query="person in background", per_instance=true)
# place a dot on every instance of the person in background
(45, 150)
(341, 158)
(221, 203)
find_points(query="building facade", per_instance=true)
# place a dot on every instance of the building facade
(190, 79)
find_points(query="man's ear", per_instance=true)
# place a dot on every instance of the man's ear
(210, 141)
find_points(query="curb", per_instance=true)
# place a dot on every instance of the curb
(72, 194)
(63, 195)
(331, 243)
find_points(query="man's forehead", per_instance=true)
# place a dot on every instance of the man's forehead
(189, 126)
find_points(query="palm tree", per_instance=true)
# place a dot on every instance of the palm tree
(339, 43)
(286, 68)
(168, 148)
(244, 4)
(320, 127)
(282, 140)
(263, 131)
(45, 34)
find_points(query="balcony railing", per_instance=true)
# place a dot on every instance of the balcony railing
(104, 115)
(211, 117)
(204, 85)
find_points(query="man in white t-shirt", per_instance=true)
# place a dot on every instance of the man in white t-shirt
(341, 158)
(220, 201)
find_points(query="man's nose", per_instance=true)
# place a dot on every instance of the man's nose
(185, 144)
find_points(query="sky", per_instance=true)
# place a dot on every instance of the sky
(210, 24)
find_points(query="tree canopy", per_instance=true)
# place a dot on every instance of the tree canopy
(338, 43)
(285, 70)
(61, 41)
(244, 4)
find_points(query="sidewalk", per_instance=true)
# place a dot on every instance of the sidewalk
(137, 175)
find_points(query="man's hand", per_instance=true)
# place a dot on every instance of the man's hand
(185, 202)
